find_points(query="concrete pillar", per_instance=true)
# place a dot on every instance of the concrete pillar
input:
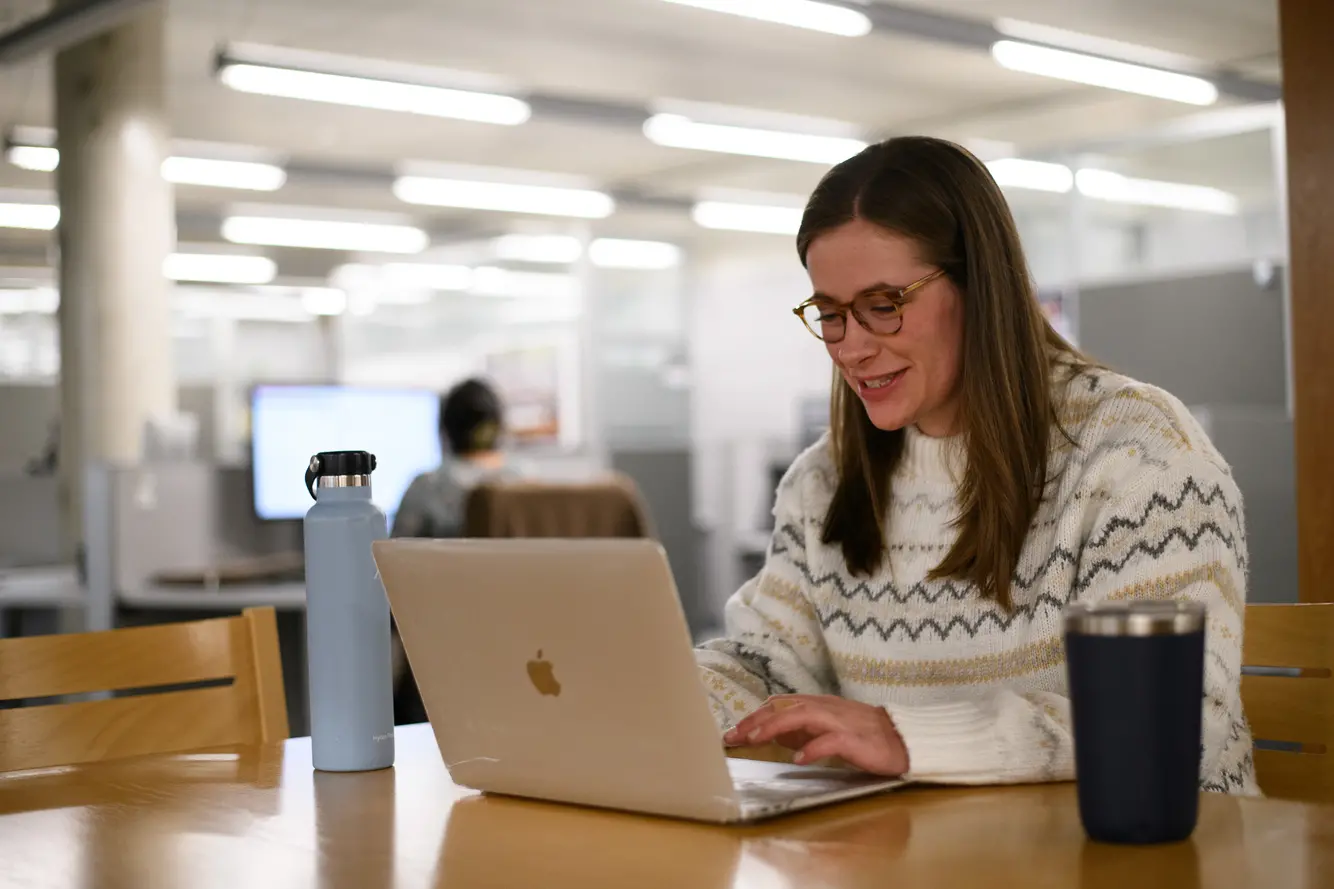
(117, 226)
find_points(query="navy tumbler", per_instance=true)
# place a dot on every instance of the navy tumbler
(1136, 673)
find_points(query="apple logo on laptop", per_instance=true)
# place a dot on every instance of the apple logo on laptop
(543, 677)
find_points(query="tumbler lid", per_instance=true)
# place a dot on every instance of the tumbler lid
(1152, 618)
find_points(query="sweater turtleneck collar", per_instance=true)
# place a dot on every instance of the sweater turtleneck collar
(935, 459)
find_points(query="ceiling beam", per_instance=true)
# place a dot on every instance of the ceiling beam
(65, 25)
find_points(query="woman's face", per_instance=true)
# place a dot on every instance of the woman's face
(910, 377)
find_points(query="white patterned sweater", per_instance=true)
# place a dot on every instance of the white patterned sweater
(1141, 507)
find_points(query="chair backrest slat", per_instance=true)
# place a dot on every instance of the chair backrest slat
(1296, 708)
(139, 657)
(249, 708)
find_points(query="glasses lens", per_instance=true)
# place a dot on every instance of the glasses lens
(823, 321)
(883, 314)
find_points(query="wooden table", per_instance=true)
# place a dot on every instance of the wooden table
(258, 817)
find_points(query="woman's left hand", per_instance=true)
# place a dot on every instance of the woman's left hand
(819, 726)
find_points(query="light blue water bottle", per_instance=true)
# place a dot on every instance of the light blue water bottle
(349, 664)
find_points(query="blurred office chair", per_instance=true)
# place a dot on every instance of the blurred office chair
(1288, 694)
(611, 507)
(235, 657)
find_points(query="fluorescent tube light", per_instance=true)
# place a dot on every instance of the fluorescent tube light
(678, 131)
(807, 14)
(492, 281)
(747, 217)
(1108, 186)
(39, 158)
(428, 276)
(1014, 172)
(616, 253)
(223, 173)
(42, 217)
(323, 300)
(37, 300)
(556, 249)
(1109, 73)
(219, 268)
(180, 170)
(320, 234)
(504, 197)
(365, 92)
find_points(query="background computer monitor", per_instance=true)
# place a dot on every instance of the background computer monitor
(289, 424)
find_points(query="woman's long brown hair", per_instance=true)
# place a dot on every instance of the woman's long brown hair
(943, 198)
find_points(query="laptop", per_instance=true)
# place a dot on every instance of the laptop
(563, 670)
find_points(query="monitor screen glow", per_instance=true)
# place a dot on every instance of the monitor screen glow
(290, 424)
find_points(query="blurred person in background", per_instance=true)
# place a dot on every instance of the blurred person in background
(979, 475)
(472, 426)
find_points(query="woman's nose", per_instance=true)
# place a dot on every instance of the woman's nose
(857, 344)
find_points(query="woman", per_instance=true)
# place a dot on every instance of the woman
(979, 475)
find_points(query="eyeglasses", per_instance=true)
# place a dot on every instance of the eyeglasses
(879, 311)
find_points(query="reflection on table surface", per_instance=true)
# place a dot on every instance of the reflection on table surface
(261, 816)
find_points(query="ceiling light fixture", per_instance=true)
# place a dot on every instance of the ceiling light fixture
(1046, 61)
(219, 268)
(504, 197)
(35, 300)
(679, 131)
(762, 219)
(321, 234)
(40, 217)
(1105, 185)
(554, 249)
(427, 276)
(38, 158)
(223, 173)
(491, 281)
(323, 300)
(619, 253)
(33, 148)
(1014, 172)
(296, 82)
(826, 17)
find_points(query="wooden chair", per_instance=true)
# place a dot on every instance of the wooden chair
(243, 701)
(1288, 695)
(609, 507)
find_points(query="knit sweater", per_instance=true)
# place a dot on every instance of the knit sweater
(1141, 506)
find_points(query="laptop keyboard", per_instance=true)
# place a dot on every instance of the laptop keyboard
(770, 785)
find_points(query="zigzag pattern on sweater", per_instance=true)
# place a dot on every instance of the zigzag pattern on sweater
(1159, 501)
(1229, 780)
(1156, 550)
(933, 505)
(922, 591)
(1087, 455)
(755, 661)
(863, 590)
(914, 630)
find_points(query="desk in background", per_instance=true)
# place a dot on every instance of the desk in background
(260, 817)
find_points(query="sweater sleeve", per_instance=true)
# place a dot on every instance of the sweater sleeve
(773, 642)
(1176, 533)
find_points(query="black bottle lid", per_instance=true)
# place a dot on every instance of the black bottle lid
(336, 463)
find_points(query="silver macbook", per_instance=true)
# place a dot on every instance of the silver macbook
(563, 670)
